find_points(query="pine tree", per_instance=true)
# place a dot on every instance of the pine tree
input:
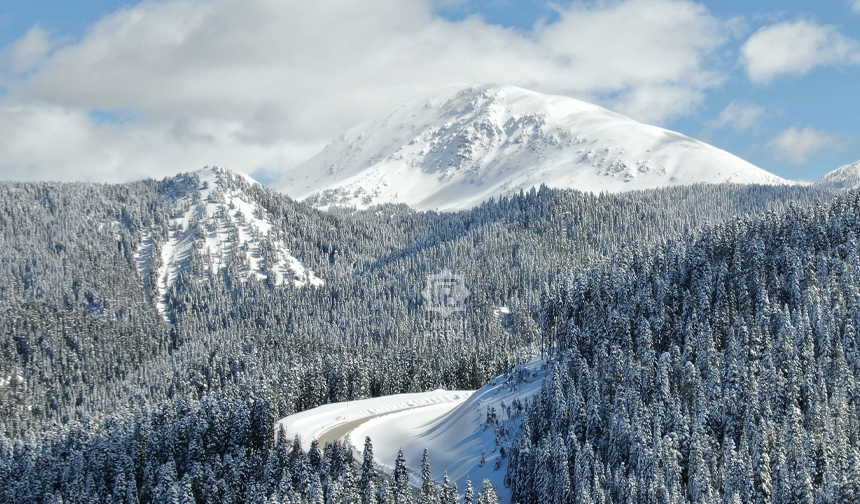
(469, 495)
(449, 493)
(561, 474)
(366, 485)
(401, 489)
(315, 456)
(488, 495)
(428, 488)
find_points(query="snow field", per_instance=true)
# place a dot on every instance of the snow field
(312, 423)
(450, 424)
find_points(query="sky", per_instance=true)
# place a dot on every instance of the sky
(118, 90)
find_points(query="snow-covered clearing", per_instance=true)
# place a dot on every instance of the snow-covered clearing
(450, 424)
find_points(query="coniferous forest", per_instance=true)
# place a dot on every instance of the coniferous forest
(700, 342)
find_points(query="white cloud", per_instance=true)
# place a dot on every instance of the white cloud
(27, 53)
(741, 116)
(795, 48)
(796, 145)
(254, 84)
(856, 6)
(50, 142)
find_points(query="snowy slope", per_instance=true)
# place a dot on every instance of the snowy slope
(451, 425)
(316, 423)
(457, 146)
(214, 217)
(845, 177)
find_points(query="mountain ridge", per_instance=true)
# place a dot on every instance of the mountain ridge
(845, 177)
(214, 216)
(459, 145)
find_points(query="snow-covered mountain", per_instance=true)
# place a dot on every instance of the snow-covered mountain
(457, 146)
(214, 216)
(845, 177)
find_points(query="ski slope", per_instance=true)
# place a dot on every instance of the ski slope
(450, 424)
(454, 147)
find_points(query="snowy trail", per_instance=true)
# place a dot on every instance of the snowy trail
(341, 431)
(335, 421)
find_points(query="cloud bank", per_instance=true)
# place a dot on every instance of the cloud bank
(172, 85)
(795, 48)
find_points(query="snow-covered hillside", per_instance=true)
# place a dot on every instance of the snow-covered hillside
(844, 177)
(457, 146)
(452, 425)
(214, 217)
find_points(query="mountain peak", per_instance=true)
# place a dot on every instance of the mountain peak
(217, 175)
(214, 215)
(459, 145)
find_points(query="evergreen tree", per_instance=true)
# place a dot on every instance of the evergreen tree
(428, 488)
(400, 488)
(469, 494)
(366, 485)
(487, 495)
(449, 493)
